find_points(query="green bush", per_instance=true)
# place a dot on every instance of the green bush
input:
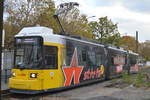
(127, 78)
(139, 80)
(148, 84)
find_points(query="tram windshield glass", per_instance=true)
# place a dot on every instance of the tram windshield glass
(28, 52)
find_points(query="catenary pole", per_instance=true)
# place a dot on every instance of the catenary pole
(136, 41)
(1, 35)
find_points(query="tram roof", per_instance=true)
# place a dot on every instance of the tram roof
(34, 31)
(44, 32)
(117, 49)
(84, 40)
(131, 52)
(48, 32)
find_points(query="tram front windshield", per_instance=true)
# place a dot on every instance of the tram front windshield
(28, 53)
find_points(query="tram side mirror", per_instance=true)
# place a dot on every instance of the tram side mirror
(19, 65)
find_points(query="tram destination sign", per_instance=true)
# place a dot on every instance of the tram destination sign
(26, 40)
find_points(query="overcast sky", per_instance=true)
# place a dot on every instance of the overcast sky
(131, 15)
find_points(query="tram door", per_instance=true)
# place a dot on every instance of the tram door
(52, 67)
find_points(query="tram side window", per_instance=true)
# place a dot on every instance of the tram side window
(83, 55)
(126, 59)
(51, 57)
(91, 60)
(133, 60)
(69, 54)
(99, 54)
(79, 53)
(112, 60)
(98, 59)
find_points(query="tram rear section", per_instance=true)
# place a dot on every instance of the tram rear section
(44, 61)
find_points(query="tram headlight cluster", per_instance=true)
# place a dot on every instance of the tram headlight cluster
(33, 75)
(13, 74)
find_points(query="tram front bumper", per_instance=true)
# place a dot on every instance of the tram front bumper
(25, 84)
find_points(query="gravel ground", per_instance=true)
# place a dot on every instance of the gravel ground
(108, 90)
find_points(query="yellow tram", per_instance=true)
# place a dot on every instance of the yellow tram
(32, 41)
(44, 61)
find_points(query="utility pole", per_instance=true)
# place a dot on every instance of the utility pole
(1, 35)
(136, 41)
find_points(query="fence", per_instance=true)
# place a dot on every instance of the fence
(7, 64)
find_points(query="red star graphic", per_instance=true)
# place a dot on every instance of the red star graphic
(73, 70)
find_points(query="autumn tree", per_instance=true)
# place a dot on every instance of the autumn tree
(114, 39)
(10, 31)
(128, 43)
(46, 17)
(105, 31)
(75, 23)
(27, 12)
(144, 50)
(22, 13)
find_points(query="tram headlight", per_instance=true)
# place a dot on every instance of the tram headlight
(33, 75)
(13, 74)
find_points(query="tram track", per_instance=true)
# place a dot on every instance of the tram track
(104, 83)
(22, 96)
(6, 94)
(14, 95)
